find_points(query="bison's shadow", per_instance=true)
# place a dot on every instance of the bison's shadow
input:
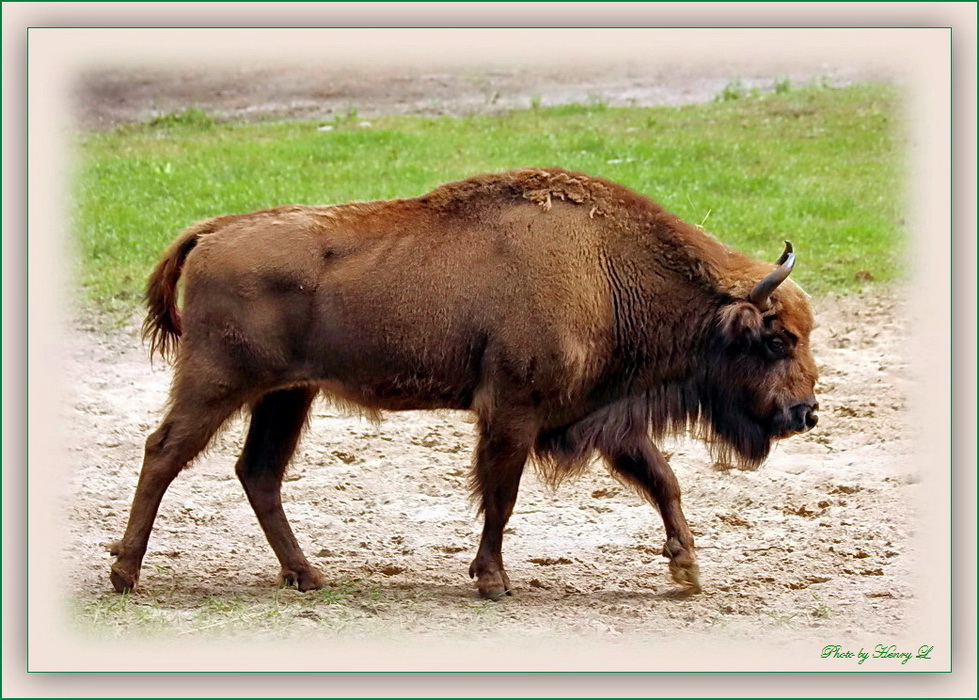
(183, 590)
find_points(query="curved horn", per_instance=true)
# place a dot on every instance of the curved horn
(759, 295)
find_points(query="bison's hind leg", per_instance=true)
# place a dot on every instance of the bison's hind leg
(277, 422)
(198, 409)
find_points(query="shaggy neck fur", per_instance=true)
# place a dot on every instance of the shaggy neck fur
(663, 357)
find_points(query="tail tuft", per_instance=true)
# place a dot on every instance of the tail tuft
(162, 324)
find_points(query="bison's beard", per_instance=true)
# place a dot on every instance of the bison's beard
(734, 435)
(716, 416)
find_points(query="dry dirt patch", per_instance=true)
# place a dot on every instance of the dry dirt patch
(107, 98)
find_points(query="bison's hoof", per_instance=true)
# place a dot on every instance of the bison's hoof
(683, 565)
(492, 583)
(308, 579)
(122, 579)
(493, 586)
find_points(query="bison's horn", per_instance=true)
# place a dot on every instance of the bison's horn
(759, 295)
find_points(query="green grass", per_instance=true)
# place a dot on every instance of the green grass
(168, 610)
(822, 167)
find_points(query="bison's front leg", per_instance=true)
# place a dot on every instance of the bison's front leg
(500, 458)
(641, 463)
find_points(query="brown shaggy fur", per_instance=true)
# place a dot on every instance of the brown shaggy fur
(572, 315)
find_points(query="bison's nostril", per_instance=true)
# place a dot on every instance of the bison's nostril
(803, 417)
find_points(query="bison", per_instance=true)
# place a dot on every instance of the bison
(571, 315)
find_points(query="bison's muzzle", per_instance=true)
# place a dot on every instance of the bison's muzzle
(798, 418)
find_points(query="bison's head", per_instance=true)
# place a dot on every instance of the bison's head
(760, 377)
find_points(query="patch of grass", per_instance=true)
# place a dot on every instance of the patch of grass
(342, 120)
(170, 610)
(822, 82)
(734, 90)
(820, 610)
(111, 615)
(346, 591)
(820, 166)
(779, 619)
(485, 608)
(782, 85)
(188, 118)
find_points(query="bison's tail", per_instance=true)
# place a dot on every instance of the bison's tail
(162, 324)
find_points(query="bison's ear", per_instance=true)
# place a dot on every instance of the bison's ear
(740, 323)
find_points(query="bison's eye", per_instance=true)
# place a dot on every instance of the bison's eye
(775, 346)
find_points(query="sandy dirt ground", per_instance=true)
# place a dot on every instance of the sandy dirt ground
(818, 539)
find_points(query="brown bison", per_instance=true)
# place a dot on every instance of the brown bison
(571, 315)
